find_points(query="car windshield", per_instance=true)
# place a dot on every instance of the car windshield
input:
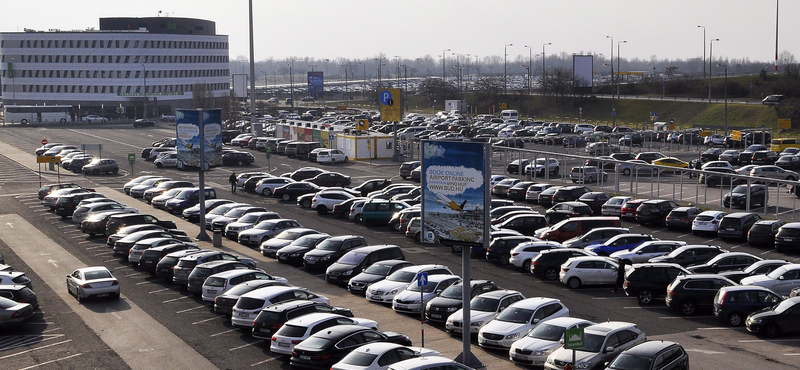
(265, 225)
(789, 232)
(315, 343)
(236, 212)
(453, 292)
(249, 218)
(775, 274)
(484, 304)
(352, 258)
(185, 194)
(359, 359)
(783, 306)
(426, 289)
(548, 332)
(516, 315)
(592, 342)
(630, 362)
(94, 275)
(330, 245)
(221, 210)
(378, 269)
(402, 276)
(741, 189)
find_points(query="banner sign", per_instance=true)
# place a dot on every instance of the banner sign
(187, 130)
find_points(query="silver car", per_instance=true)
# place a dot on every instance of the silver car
(92, 282)
(773, 172)
(13, 314)
(101, 165)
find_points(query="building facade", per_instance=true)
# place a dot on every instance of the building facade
(130, 67)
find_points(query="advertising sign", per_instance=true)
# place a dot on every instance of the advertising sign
(187, 131)
(785, 123)
(453, 191)
(391, 105)
(240, 85)
(316, 84)
(582, 72)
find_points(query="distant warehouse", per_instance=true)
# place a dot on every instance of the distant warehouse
(118, 70)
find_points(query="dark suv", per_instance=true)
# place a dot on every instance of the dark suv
(499, 250)
(449, 300)
(569, 193)
(689, 293)
(329, 250)
(725, 262)
(647, 281)
(407, 167)
(787, 237)
(690, 255)
(738, 197)
(663, 355)
(737, 225)
(763, 232)
(270, 319)
(732, 304)
(764, 157)
(654, 211)
(548, 263)
(746, 156)
(237, 158)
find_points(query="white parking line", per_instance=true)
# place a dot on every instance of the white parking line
(84, 242)
(34, 349)
(768, 341)
(265, 361)
(175, 299)
(681, 317)
(704, 351)
(158, 291)
(246, 345)
(723, 328)
(149, 281)
(648, 307)
(111, 260)
(224, 332)
(613, 297)
(659, 230)
(104, 254)
(206, 320)
(95, 247)
(190, 309)
(51, 361)
(66, 226)
(763, 253)
(683, 235)
(791, 354)
(135, 273)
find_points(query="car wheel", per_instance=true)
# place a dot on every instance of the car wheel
(404, 177)
(240, 163)
(306, 203)
(555, 172)
(688, 307)
(551, 273)
(605, 178)
(23, 121)
(358, 218)
(772, 330)
(735, 319)
(92, 235)
(286, 197)
(160, 165)
(396, 226)
(791, 178)
(266, 191)
(626, 171)
(589, 179)
(322, 210)
(333, 161)
(504, 260)
(95, 172)
(574, 283)
(526, 265)
(78, 296)
(645, 297)
(711, 183)
(456, 248)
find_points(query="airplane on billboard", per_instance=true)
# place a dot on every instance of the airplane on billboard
(449, 203)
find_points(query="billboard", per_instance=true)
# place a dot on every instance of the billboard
(316, 84)
(187, 131)
(240, 86)
(582, 73)
(454, 179)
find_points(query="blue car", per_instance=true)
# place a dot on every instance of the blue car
(618, 243)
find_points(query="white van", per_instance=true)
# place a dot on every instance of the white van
(508, 114)
(250, 304)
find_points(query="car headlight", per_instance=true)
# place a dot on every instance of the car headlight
(325, 258)
(583, 365)
(755, 321)
(347, 273)
(542, 352)
(512, 336)
(392, 292)
(550, 360)
(476, 323)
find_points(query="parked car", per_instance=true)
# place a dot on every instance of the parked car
(688, 255)
(613, 206)
(646, 251)
(707, 222)
(689, 293)
(602, 343)
(758, 268)
(659, 354)
(654, 211)
(777, 320)
(648, 281)
(564, 210)
(733, 304)
(14, 314)
(548, 263)
(90, 282)
(682, 217)
(594, 235)
(589, 270)
(587, 174)
(619, 242)
(736, 225)
(518, 319)
(534, 347)
(327, 347)
(781, 280)
(725, 262)
(449, 300)
(101, 165)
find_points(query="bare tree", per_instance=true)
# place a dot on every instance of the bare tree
(202, 96)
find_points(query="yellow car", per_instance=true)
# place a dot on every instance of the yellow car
(671, 162)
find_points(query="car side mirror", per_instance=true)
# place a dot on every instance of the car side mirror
(781, 278)
(68, 276)
(639, 252)
(561, 341)
(610, 349)
(535, 321)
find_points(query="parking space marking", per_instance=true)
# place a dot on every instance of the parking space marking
(740, 245)
(723, 328)
(768, 341)
(224, 332)
(85, 241)
(77, 236)
(682, 317)
(95, 247)
(613, 297)
(51, 361)
(35, 349)
(206, 320)
(66, 226)
(659, 230)
(136, 273)
(265, 361)
(158, 291)
(683, 235)
(105, 254)
(765, 252)
(642, 307)
(111, 260)
(704, 351)
(791, 354)
(246, 345)
(175, 299)
(190, 309)
(148, 281)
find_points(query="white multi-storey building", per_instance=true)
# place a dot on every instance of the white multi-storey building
(126, 65)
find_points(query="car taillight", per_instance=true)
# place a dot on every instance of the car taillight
(627, 283)
(685, 219)
(670, 292)
(113, 283)
(565, 269)
(721, 300)
(515, 254)
(274, 339)
(16, 314)
(534, 263)
(86, 286)
(715, 222)
(297, 341)
(320, 357)
(254, 321)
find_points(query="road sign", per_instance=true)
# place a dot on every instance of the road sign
(391, 105)
(48, 159)
(363, 124)
(422, 279)
(86, 147)
(131, 157)
(736, 135)
(573, 339)
(44, 141)
(785, 123)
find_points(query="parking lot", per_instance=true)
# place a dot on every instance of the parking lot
(61, 335)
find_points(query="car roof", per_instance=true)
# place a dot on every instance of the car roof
(607, 327)
(739, 215)
(534, 302)
(269, 291)
(233, 273)
(420, 362)
(650, 348)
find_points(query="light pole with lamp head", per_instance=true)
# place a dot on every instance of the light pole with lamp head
(397, 60)
(710, 61)
(530, 65)
(444, 73)
(528, 68)
(704, 50)
(364, 83)
(726, 96)
(613, 111)
(144, 82)
(505, 68)
(618, 69)
(291, 82)
(544, 69)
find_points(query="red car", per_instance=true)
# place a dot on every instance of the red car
(628, 211)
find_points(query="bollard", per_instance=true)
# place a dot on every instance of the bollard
(217, 239)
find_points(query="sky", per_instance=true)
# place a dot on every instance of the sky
(357, 29)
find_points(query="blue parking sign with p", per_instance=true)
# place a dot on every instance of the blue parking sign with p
(386, 98)
(422, 279)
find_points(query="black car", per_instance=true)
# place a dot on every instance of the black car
(369, 186)
(293, 190)
(774, 321)
(450, 300)
(237, 158)
(711, 155)
(649, 157)
(654, 211)
(330, 179)
(517, 166)
(270, 319)
(764, 157)
(787, 237)
(548, 263)
(733, 304)
(358, 259)
(746, 156)
(499, 250)
(595, 201)
(329, 250)
(652, 355)
(725, 262)
(688, 255)
(341, 210)
(682, 217)
(374, 273)
(759, 268)
(293, 253)
(19, 293)
(518, 191)
(690, 293)
(152, 256)
(565, 210)
(142, 122)
(763, 232)
(192, 214)
(306, 173)
(736, 225)
(513, 142)
(251, 183)
(327, 347)
(569, 193)
(647, 281)
(525, 224)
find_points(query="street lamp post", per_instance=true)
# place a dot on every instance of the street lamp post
(266, 83)
(505, 68)
(291, 82)
(528, 68)
(364, 83)
(613, 111)
(618, 69)
(544, 69)
(144, 82)
(444, 73)
(726, 96)
(397, 60)
(710, 60)
(530, 65)
(13, 82)
(704, 50)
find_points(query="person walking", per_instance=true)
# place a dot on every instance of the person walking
(620, 274)
(232, 180)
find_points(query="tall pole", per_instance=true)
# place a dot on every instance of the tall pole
(144, 81)
(726, 96)
(710, 60)
(364, 83)
(613, 110)
(444, 73)
(777, 4)
(291, 82)
(618, 69)
(252, 80)
(704, 50)
(544, 69)
(397, 60)
(505, 68)
(529, 88)
(530, 59)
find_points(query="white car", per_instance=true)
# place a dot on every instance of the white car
(93, 118)
(82, 213)
(136, 252)
(92, 282)
(595, 352)
(166, 159)
(219, 283)
(482, 309)
(415, 297)
(385, 290)
(541, 165)
(518, 319)
(331, 156)
(707, 222)
(495, 179)
(523, 254)
(717, 164)
(781, 280)
(355, 210)
(583, 127)
(588, 270)
(324, 201)
(268, 185)
(647, 250)
(250, 304)
(256, 234)
(137, 191)
(382, 355)
(300, 328)
(532, 194)
(613, 206)
(540, 342)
